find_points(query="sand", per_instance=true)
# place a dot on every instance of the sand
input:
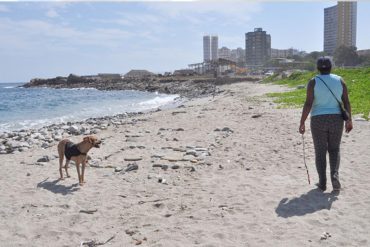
(235, 177)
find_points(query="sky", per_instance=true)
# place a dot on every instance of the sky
(49, 39)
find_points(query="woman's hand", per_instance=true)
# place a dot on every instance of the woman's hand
(349, 126)
(302, 128)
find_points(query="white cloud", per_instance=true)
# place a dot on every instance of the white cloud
(29, 35)
(181, 9)
(4, 8)
(52, 13)
(131, 19)
(53, 8)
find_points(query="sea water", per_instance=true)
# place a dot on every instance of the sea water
(31, 108)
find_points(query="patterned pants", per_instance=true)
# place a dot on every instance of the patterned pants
(326, 134)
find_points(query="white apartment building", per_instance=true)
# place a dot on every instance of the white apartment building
(210, 48)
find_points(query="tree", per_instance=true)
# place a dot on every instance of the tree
(346, 56)
(365, 60)
(313, 56)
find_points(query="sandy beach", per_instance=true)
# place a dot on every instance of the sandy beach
(217, 171)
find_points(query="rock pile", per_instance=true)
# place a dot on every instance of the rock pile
(190, 87)
(19, 141)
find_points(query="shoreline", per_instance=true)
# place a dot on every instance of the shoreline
(46, 136)
(24, 139)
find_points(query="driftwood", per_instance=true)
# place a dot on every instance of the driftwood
(88, 211)
(94, 243)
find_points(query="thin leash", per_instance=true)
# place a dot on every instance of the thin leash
(304, 159)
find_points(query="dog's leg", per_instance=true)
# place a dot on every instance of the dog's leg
(78, 173)
(61, 157)
(66, 168)
(83, 171)
(61, 152)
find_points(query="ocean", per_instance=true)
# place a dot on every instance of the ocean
(32, 108)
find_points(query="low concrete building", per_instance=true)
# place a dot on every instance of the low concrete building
(363, 52)
(109, 76)
(137, 73)
(184, 72)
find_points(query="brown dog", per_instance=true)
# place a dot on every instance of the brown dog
(77, 153)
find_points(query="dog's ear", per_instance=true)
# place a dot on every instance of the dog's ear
(87, 139)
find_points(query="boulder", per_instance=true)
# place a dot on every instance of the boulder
(74, 129)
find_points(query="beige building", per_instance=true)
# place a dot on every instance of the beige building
(340, 22)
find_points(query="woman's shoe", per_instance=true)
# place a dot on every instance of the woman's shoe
(336, 185)
(321, 187)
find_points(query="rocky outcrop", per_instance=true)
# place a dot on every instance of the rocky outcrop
(185, 86)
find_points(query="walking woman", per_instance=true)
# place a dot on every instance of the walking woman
(323, 93)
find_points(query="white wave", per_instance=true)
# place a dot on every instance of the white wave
(34, 124)
(79, 88)
(82, 112)
(159, 101)
(9, 87)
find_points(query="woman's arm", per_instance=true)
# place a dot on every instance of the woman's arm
(347, 106)
(307, 105)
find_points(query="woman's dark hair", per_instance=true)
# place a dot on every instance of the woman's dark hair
(324, 64)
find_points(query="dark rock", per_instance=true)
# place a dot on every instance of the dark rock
(227, 129)
(131, 167)
(44, 159)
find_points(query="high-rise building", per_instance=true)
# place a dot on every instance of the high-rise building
(206, 48)
(330, 29)
(340, 23)
(210, 48)
(257, 47)
(214, 47)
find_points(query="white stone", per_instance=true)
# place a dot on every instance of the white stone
(73, 129)
(24, 144)
(13, 144)
(44, 132)
(58, 138)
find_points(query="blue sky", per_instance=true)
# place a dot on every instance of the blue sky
(48, 39)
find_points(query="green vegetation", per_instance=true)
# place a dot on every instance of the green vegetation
(357, 80)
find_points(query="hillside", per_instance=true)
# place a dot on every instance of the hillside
(357, 80)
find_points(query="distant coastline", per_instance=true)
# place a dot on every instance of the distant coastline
(186, 86)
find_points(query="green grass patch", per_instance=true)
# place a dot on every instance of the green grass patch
(357, 80)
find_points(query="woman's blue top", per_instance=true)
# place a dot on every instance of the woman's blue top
(324, 101)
